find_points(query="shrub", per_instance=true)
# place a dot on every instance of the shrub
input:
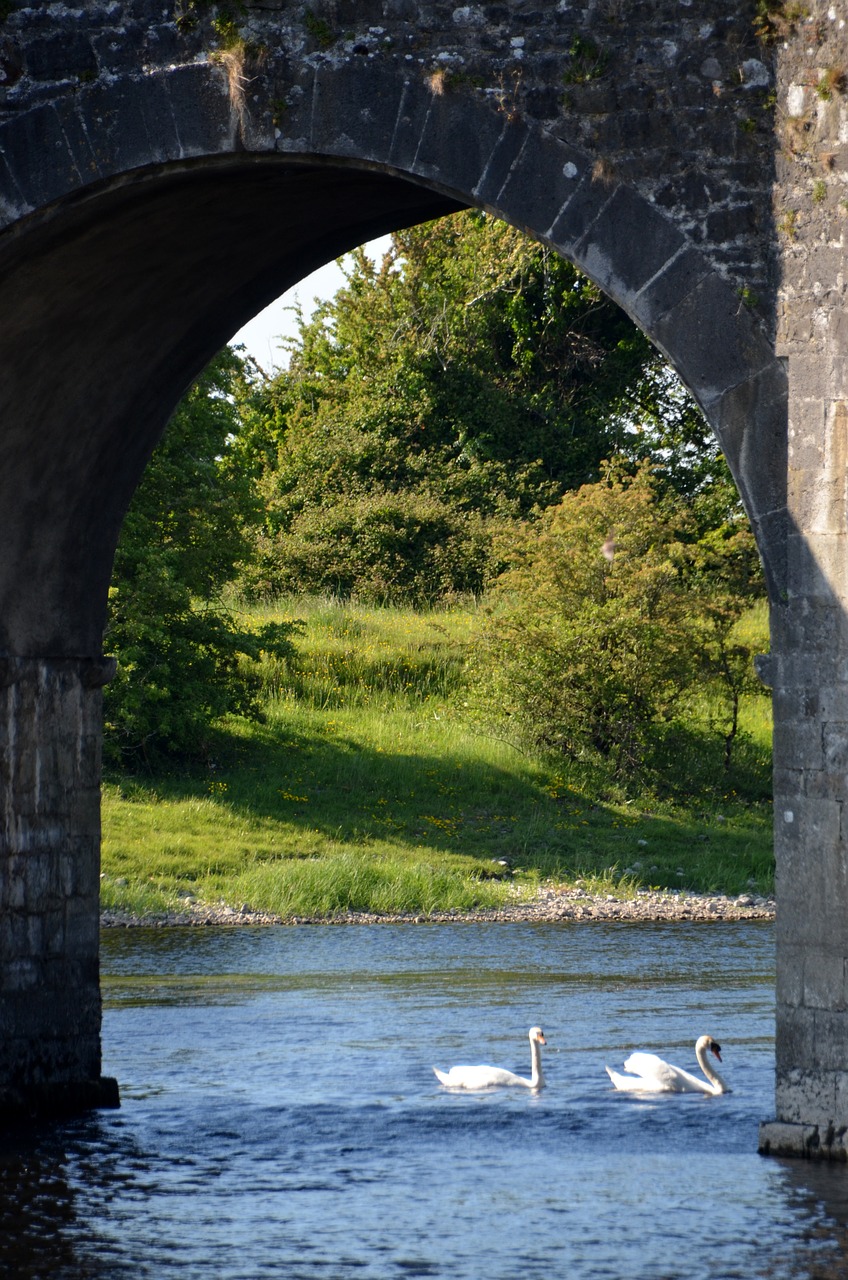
(606, 617)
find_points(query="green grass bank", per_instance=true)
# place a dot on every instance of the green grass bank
(374, 786)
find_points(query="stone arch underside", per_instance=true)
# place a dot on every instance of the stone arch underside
(160, 216)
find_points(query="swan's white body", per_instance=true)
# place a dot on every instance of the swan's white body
(650, 1074)
(489, 1077)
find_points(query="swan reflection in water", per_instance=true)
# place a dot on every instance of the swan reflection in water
(651, 1074)
(484, 1077)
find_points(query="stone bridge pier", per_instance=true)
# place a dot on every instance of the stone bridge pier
(168, 169)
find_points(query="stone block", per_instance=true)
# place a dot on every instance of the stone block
(798, 744)
(615, 259)
(112, 118)
(792, 704)
(813, 569)
(817, 500)
(461, 155)
(538, 191)
(813, 878)
(840, 1104)
(830, 1026)
(731, 222)
(54, 933)
(15, 892)
(790, 974)
(824, 989)
(835, 744)
(750, 421)
(82, 928)
(805, 1097)
(204, 118)
(120, 50)
(357, 110)
(13, 202)
(162, 43)
(717, 345)
(583, 200)
(675, 280)
(40, 877)
(788, 783)
(825, 784)
(809, 634)
(806, 447)
(60, 56)
(38, 132)
(780, 1138)
(771, 530)
(803, 848)
(75, 134)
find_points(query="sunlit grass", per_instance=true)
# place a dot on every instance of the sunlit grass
(369, 789)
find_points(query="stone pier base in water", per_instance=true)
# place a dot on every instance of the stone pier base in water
(50, 727)
(779, 1138)
(58, 1100)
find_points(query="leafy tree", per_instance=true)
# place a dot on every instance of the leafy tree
(187, 530)
(727, 577)
(612, 609)
(473, 371)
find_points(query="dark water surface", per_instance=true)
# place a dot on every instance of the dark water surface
(280, 1116)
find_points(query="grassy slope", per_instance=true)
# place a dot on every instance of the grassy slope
(370, 787)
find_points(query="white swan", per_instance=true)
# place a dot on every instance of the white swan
(487, 1077)
(650, 1074)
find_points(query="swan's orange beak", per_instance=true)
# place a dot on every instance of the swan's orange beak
(541, 1038)
(716, 1048)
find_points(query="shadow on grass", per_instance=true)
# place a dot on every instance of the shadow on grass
(328, 790)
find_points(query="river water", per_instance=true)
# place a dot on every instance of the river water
(280, 1117)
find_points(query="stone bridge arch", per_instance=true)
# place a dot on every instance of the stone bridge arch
(125, 286)
(157, 189)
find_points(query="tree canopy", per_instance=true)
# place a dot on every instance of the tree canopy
(187, 532)
(470, 377)
(442, 427)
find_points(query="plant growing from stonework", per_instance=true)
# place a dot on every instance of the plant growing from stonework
(787, 223)
(778, 19)
(187, 13)
(833, 81)
(506, 98)
(748, 297)
(587, 62)
(319, 29)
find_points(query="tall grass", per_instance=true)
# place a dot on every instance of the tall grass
(371, 788)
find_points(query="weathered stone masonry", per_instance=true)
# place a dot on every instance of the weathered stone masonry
(167, 170)
(49, 885)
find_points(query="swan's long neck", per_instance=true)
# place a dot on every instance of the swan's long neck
(537, 1080)
(716, 1083)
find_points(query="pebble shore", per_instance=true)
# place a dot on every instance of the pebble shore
(549, 904)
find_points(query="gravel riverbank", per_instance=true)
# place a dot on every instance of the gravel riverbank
(549, 904)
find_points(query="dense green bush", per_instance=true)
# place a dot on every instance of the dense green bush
(407, 547)
(612, 610)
